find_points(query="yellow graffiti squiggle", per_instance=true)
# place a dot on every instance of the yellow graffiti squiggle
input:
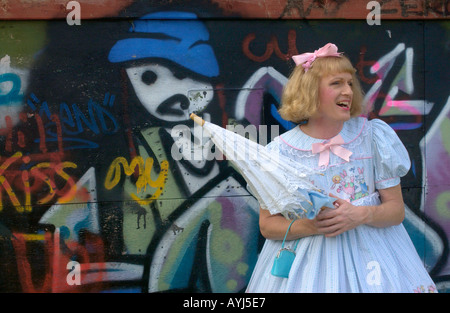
(144, 176)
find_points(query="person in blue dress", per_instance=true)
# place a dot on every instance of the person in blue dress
(360, 245)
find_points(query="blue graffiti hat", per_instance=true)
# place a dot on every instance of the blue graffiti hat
(175, 36)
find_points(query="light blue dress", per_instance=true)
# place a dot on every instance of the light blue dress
(364, 259)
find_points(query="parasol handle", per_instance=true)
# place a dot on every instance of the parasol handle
(197, 119)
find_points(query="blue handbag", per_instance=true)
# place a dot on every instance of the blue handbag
(284, 259)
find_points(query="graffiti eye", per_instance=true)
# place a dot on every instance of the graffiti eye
(149, 77)
(179, 75)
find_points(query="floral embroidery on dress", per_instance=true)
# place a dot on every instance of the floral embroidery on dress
(350, 185)
(422, 289)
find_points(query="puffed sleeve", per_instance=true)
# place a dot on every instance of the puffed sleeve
(391, 159)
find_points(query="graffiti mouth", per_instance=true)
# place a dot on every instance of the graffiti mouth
(175, 105)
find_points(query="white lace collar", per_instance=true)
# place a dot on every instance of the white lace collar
(297, 139)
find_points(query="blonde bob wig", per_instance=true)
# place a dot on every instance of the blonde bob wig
(300, 97)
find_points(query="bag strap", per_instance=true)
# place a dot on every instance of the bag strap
(289, 227)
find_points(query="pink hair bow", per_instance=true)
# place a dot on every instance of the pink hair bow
(332, 145)
(306, 59)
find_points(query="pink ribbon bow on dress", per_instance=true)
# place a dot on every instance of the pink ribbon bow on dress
(306, 59)
(334, 145)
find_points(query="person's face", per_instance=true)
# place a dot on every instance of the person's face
(168, 96)
(335, 97)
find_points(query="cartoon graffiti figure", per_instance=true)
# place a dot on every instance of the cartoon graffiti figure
(159, 82)
(171, 68)
(170, 71)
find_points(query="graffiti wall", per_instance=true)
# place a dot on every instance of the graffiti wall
(97, 192)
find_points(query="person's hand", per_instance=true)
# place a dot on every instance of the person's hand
(345, 216)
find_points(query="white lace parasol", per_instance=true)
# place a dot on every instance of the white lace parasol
(280, 184)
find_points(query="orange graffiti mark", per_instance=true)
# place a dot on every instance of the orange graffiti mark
(271, 47)
(58, 169)
(89, 253)
(144, 176)
(15, 138)
(362, 64)
(24, 267)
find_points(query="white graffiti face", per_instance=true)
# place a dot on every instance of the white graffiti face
(167, 95)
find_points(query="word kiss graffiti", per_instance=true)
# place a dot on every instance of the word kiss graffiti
(42, 175)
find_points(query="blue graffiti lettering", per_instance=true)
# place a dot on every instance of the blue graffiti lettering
(74, 122)
(13, 95)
